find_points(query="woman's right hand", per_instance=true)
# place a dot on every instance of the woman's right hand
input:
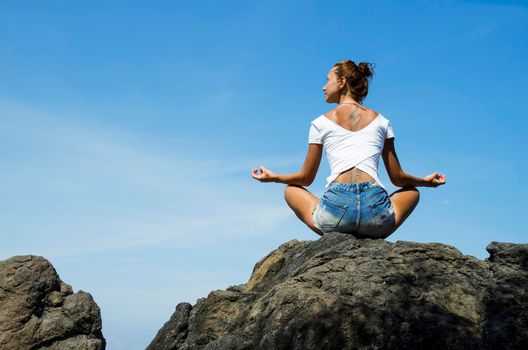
(435, 180)
(265, 175)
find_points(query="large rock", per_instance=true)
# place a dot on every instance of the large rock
(339, 292)
(38, 311)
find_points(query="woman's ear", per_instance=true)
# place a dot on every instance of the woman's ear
(342, 83)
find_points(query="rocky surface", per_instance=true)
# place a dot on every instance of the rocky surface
(40, 312)
(339, 292)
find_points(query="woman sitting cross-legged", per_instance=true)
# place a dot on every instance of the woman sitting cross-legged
(353, 137)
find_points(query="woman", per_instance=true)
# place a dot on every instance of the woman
(353, 136)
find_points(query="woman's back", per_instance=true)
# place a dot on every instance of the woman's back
(352, 117)
(353, 137)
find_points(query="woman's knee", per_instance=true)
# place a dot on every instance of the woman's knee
(415, 196)
(287, 190)
(417, 193)
(290, 188)
(413, 190)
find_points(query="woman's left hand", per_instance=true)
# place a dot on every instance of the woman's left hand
(265, 175)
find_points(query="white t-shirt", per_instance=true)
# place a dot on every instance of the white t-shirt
(346, 149)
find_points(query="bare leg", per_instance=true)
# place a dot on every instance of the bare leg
(303, 203)
(403, 201)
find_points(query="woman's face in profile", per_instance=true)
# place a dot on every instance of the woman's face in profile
(331, 88)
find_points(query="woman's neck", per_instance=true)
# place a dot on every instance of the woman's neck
(350, 101)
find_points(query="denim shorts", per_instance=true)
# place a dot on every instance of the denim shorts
(362, 208)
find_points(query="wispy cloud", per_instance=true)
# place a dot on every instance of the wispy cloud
(103, 189)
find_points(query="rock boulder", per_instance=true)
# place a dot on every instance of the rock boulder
(40, 312)
(340, 292)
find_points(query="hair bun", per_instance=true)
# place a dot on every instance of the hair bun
(357, 77)
(365, 69)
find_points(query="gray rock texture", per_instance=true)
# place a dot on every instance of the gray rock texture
(340, 292)
(38, 311)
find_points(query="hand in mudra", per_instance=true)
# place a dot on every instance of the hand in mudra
(265, 175)
(435, 180)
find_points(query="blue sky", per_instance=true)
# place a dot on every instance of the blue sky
(130, 129)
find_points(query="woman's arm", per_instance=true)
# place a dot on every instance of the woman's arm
(303, 177)
(399, 177)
